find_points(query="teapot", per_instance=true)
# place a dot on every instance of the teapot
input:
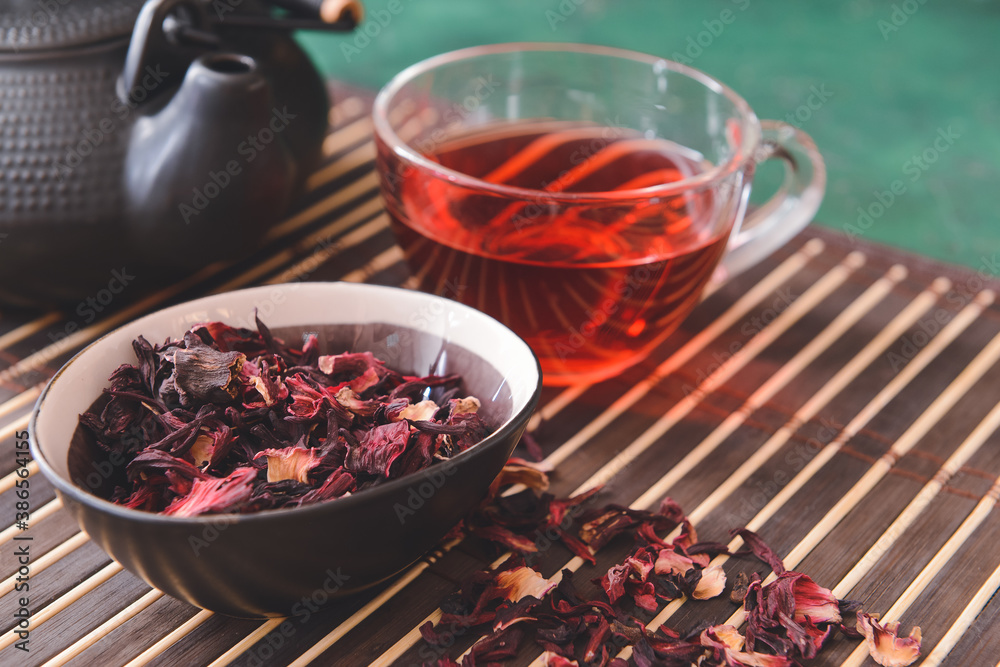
(150, 140)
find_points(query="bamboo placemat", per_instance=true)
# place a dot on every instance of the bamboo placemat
(840, 399)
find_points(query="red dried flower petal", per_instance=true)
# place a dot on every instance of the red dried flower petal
(598, 635)
(348, 398)
(723, 636)
(377, 450)
(551, 659)
(885, 645)
(339, 483)
(644, 596)
(215, 495)
(641, 563)
(729, 641)
(813, 602)
(505, 537)
(670, 562)
(307, 401)
(349, 363)
(614, 582)
(761, 550)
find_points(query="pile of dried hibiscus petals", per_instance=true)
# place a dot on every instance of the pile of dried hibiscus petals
(234, 420)
(787, 620)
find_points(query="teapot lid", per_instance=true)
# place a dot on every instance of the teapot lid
(44, 25)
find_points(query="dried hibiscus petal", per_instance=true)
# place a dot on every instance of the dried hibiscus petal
(215, 495)
(885, 645)
(711, 583)
(378, 448)
(551, 659)
(203, 373)
(289, 463)
(520, 582)
(793, 615)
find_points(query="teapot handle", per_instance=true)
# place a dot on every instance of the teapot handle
(155, 61)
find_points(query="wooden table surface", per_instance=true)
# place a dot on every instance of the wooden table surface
(840, 400)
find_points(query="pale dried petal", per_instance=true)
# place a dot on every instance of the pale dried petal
(885, 645)
(519, 471)
(712, 583)
(201, 450)
(521, 582)
(726, 634)
(289, 463)
(422, 411)
(467, 405)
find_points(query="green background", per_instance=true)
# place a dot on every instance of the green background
(896, 73)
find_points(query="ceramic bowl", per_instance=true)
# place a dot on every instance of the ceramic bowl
(267, 563)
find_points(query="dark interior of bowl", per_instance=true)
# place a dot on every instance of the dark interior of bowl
(407, 351)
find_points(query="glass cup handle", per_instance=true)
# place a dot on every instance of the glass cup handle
(790, 209)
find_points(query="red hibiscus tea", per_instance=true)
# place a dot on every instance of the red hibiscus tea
(568, 249)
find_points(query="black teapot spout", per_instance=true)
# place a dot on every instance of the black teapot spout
(210, 171)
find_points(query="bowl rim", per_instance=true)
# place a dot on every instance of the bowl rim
(77, 494)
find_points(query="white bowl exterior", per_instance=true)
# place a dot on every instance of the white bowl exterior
(80, 382)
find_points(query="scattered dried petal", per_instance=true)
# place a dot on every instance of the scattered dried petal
(670, 562)
(551, 659)
(885, 645)
(711, 584)
(727, 635)
(521, 582)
